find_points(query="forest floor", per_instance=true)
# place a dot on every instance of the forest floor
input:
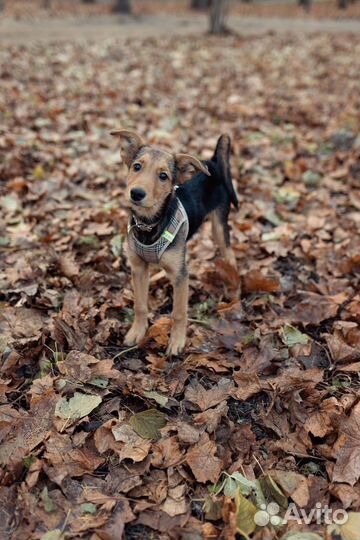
(101, 442)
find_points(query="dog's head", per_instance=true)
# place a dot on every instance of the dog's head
(152, 172)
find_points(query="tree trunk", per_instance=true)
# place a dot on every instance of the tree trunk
(200, 4)
(306, 4)
(217, 17)
(122, 6)
(342, 4)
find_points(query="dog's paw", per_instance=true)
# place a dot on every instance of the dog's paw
(135, 335)
(176, 346)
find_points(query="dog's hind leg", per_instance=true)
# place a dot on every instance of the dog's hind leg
(140, 279)
(221, 233)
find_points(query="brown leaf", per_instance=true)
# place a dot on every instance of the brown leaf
(175, 503)
(23, 431)
(212, 417)
(69, 266)
(312, 308)
(323, 419)
(294, 485)
(159, 331)
(255, 282)
(347, 450)
(201, 458)
(78, 366)
(248, 385)
(20, 324)
(166, 453)
(135, 447)
(227, 273)
(340, 351)
(67, 459)
(208, 398)
(115, 524)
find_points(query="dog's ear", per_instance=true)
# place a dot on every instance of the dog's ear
(186, 165)
(130, 144)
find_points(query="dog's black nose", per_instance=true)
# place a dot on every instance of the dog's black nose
(137, 194)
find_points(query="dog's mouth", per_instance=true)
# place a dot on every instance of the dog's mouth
(139, 204)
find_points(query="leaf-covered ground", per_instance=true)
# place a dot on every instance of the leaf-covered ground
(265, 399)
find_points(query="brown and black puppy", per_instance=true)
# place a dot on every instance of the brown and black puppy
(165, 211)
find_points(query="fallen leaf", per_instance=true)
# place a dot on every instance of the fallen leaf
(56, 534)
(294, 485)
(348, 530)
(347, 450)
(148, 423)
(255, 282)
(205, 399)
(135, 448)
(201, 458)
(292, 336)
(77, 407)
(245, 512)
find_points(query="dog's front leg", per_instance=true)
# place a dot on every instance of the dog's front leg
(180, 306)
(140, 280)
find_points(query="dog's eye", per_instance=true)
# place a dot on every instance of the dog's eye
(137, 166)
(163, 176)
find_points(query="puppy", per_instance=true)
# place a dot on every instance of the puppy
(169, 197)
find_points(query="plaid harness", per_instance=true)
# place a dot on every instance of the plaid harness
(152, 253)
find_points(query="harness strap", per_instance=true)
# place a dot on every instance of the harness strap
(152, 253)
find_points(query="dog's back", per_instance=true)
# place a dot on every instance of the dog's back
(204, 194)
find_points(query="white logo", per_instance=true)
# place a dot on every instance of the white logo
(268, 514)
(321, 515)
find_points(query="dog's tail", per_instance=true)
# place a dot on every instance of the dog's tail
(222, 158)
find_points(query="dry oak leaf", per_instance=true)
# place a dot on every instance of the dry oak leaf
(68, 266)
(161, 521)
(77, 365)
(20, 324)
(206, 467)
(115, 524)
(68, 459)
(159, 331)
(321, 421)
(211, 418)
(248, 385)
(21, 432)
(312, 308)
(294, 485)
(227, 273)
(166, 453)
(348, 495)
(255, 281)
(135, 447)
(205, 399)
(175, 502)
(340, 351)
(294, 379)
(347, 450)
(104, 438)
(187, 433)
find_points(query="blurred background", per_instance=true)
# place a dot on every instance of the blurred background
(283, 80)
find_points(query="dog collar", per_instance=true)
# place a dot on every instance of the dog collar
(144, 226)
(152, 253)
